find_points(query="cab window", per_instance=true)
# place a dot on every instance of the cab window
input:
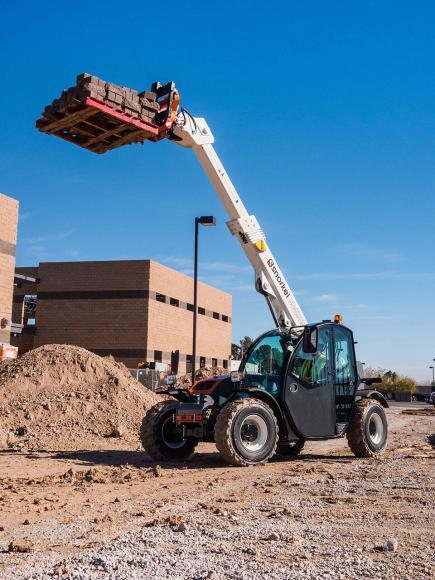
(343, 355)
(314, 369)
(264, 364)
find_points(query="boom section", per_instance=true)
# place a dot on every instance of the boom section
(194, 133)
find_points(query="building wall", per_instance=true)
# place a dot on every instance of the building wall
(170, 326)
(124, 308)
(25, 340)
(101, 306)
(8, 242)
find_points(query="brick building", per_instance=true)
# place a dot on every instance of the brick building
(8, 242)
(135, 310)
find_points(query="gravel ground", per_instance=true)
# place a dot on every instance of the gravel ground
(325, 515)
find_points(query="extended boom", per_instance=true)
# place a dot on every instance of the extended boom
(194, 133)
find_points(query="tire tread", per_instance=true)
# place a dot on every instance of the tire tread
(222, 431)
(355, 433)
(147, 430)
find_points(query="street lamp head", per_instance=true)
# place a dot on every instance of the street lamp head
(431, 367)
(206, 220)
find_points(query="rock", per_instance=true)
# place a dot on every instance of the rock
(21, 431)
(26, 523)
(391, 545)
(60, 570)
(296, 540)
(115, 433)
(46, 406)
(157, 470)
(182, 527)
(274, 536)
(21, 546)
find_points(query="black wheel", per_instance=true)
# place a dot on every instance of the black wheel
(292, 449)
(246, 432)
(160, 436)
(367, 433)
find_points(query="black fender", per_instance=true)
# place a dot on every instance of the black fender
(372, 394)
(284, 430)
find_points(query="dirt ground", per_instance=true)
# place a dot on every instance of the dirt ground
(116, 514)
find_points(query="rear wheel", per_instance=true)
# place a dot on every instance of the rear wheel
(292, 449)
(160, 436)
(246, 432)
(367, 433)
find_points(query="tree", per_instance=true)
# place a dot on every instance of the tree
(245, 343)
(392, 381)
(235, 351)
(373, 372)
(404, 383)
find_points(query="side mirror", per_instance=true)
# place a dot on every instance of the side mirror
(236, 376)
(310, 339)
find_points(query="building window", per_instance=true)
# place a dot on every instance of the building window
(225, 364)
(214, 362)
(202, 362)
(160, 297)
(189, 307)
(188, 363)
(224, 318)
(158, 356)
(216, 315)
(201, 310)
(174, 302)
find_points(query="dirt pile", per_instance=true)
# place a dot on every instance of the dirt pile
(185, 381)
(64, 397)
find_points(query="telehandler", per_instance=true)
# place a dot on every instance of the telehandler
(296, 383)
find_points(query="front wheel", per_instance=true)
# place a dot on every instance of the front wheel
(246, 432)
(160, 436)
(367, 433)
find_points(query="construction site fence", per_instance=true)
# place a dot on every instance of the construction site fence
(152, 379)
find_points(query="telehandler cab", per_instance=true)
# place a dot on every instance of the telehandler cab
(297, 383)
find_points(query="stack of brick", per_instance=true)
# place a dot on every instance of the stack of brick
(100, 116)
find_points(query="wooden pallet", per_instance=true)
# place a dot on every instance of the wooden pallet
(98, 127)
(101, 116)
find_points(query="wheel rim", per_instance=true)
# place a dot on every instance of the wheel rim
(253, 433)
(375, 428)
(170, 436)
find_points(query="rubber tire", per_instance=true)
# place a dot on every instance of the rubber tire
(227, 421)
(152, 441)
(357, 432)
(291, 451)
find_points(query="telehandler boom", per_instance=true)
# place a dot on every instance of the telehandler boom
(194, 133)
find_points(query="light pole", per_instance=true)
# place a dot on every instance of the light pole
(205, 220)
(433, 376)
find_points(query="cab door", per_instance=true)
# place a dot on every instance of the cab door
(345, 374)
(309, 391)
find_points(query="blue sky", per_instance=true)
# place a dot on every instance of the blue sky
(323, 114)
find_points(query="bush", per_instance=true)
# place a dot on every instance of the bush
(404, 383)
(391, 382)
